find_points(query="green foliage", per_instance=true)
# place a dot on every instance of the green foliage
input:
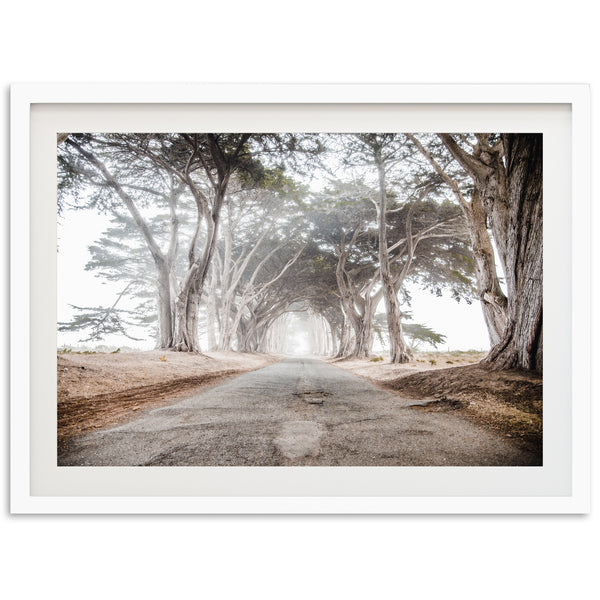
(418, 333)
(255, 174)
(100, 321)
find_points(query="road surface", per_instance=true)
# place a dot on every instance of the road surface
(299, 411)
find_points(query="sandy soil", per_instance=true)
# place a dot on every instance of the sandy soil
(98, 389)
(509, 402)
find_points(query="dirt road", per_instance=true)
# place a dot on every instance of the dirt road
(299, 411)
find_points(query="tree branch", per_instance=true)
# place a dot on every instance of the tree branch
(473, 166)
(438, 169)
(155, 250)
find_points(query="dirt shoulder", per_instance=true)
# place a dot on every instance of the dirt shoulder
(509, 402)
(98, 389)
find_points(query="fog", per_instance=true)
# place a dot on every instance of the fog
(461, 323)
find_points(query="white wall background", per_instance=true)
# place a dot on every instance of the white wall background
(464, 557)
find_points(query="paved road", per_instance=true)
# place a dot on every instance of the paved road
(295, 412)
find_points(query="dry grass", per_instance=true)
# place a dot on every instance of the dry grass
(379, 370)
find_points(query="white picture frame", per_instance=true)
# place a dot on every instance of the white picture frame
(566, 421)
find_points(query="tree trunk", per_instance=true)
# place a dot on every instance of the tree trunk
(227, 327)
(363, 325)
(165, 311)
(522, 343)
(492, 298)
(186, 331)
(325, 336)
(486, 167)
(351, 317)
(186, 336)
(345, 338)
(363, 342)
(399, 349)
(509, 178)
(163, 263)
(211, 311)
(248, 337)
(227, 291)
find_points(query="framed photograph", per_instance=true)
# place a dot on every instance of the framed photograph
(300, 298)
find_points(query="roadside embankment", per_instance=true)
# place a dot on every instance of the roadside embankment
(99, 389)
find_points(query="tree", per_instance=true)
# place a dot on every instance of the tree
(217, 157)
(417, 333)
(492, 298)
(203, 165)
(346, 224)
(132, 184)
(388, 155)
(507, 175)
(342, 224)
(522, 344)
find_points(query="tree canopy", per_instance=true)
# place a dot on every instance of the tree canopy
(217, 236)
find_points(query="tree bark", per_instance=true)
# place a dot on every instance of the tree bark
(363, 342)
(522, 343)
(165, 314)
(487, 170)
(492, 298)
